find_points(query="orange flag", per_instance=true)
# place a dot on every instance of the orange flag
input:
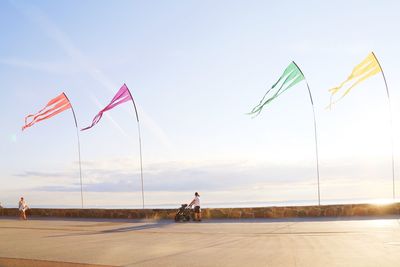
(55, 106)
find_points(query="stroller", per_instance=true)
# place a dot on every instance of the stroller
(184, 213)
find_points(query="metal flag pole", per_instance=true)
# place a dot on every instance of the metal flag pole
(391, 123)
(315, 133)
(79, 148)
(140, 145)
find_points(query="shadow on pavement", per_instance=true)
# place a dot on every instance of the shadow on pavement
(146, 226)
(14, 262)
(137, 228)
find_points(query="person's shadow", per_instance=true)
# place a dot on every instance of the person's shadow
(145, 226)
(137, 228)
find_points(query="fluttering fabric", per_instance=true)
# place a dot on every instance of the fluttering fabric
(367, 68)
(291, 76)
(53, 107)
(123, 95)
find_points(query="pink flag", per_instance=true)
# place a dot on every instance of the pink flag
(122, 96)
(55, 106)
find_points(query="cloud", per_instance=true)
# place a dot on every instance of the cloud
(240, 182)
(48, 67)
(36, 174)
(209, 176)
(181, 177)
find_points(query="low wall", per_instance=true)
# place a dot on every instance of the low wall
(220, 213)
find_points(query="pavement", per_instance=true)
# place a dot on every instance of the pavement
(349, 242)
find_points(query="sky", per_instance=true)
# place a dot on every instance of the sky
(195, 68)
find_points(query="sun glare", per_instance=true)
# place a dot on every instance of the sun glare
(381, 201)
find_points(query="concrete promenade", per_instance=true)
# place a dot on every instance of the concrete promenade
(352, 241)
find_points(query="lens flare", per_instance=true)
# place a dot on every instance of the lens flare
(13, 138)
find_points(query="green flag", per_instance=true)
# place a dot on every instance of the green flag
(291, 76)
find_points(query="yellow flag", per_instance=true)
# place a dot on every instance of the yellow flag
(367, 68)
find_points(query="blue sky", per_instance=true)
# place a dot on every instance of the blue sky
(195, 68)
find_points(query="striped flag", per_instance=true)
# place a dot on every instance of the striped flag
(54, 107)
(123, 95)
(367, 68)
(290, 77)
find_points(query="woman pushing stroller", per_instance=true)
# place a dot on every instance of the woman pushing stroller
(197, 210)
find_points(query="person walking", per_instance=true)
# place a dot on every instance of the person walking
(22, 206)
(197, 210)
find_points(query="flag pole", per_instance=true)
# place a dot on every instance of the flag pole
(315, 133)
(140, 145)
(79, 148)
(391, 123)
